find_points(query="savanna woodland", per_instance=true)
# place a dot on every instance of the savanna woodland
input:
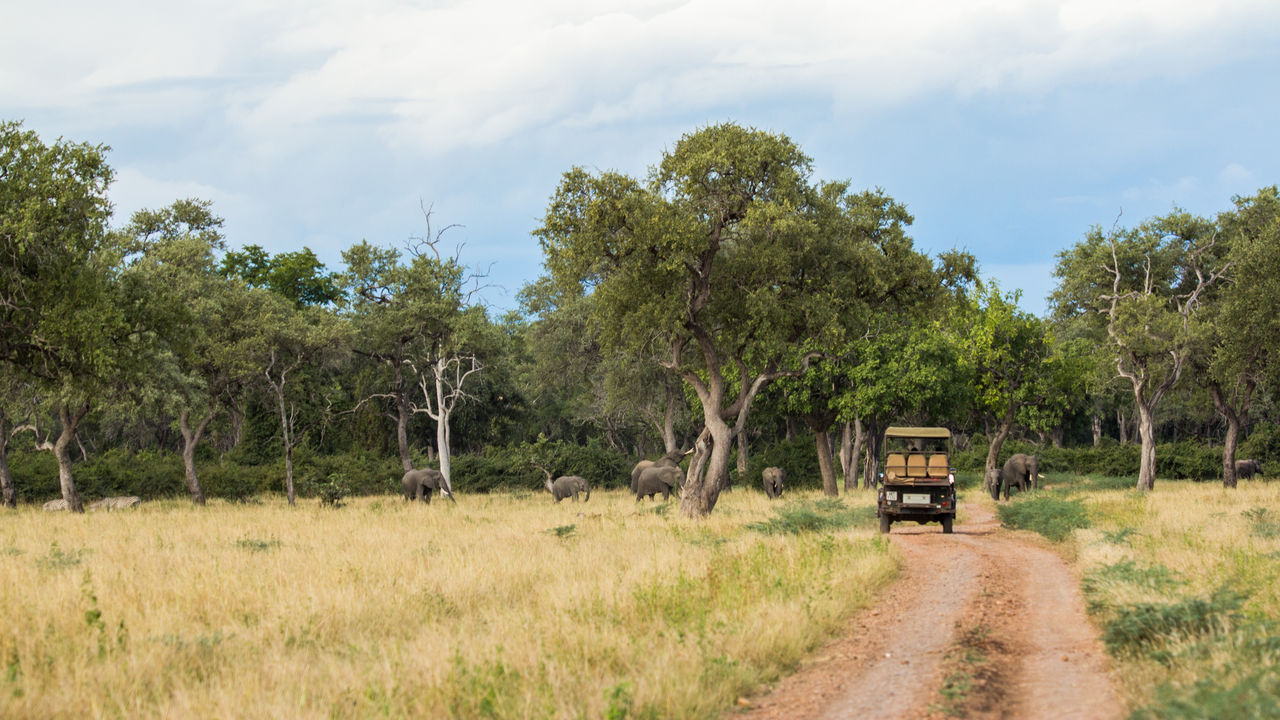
(729, 309)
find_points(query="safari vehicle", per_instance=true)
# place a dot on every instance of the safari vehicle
(918, 482)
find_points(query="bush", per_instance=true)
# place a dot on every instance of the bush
(1052, 517)
(1144, 627)
(798, 457)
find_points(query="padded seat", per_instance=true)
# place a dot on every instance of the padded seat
(938, 465)
(895, 466)
(916, 466)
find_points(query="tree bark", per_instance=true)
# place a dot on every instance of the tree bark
(1096, 424)
(744, 451)
(1233, 415)
(1147, 434)
(871, 466)
(62, 452)
(993, 450)
(669, 442)
(6, 477)
(191, 438)
(1122, 422)
(850, 448)
(703, 490)
(822, 439)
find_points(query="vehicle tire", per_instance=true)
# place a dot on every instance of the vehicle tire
(885, 522)
(947, 521)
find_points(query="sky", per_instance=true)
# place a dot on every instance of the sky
(1008, 128)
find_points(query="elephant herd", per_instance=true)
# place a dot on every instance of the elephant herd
(649, 478)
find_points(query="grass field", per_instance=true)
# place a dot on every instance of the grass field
(505, 606)
(1184, 583)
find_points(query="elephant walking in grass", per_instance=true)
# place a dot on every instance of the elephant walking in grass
(568, 486)
(418, 485)
(657, 479)
(1020, 471)
(1246, 469)
(773, 479)
(671, 459)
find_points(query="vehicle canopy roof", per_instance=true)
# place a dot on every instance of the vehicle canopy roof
(918, 432)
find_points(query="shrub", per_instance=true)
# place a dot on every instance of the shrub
(798, 457)
(1144, 627)
(1052, 517)
(821, 515)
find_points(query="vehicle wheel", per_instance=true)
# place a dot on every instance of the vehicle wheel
(947, 521)
(885, 522)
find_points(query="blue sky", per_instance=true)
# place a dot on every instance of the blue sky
(1008, 127)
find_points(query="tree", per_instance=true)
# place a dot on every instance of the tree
(298, 275)
(1006, 350)
(721, 264)
(1242, 318)
(296, 340)
(1143, 286)
(209, 323)
(65, 320)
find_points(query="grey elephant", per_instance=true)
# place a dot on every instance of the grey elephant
(568, 485)
(671, 459)
(418, 484)
(1246, 469)
(773, 479)
(1020, 471)
(657, 479)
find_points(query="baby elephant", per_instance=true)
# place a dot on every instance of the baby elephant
(1246, 469)
(567, 485)
(773, 479)
(418, 484)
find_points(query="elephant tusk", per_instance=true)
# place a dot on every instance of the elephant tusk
(1040, 476)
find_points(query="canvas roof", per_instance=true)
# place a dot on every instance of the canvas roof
(918, 432)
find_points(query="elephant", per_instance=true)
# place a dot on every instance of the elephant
(671, 459)
(1246, 469)
(657, 479)
(567, 485)
(1020, 471)
(773, 479)
(418, 484)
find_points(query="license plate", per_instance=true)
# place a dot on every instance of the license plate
(915, 498)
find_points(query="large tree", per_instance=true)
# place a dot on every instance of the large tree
(209, 323)
(66, 321)
(1242, 318)
(1143, 286)
(721, 264)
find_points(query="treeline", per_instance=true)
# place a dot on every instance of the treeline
(729, 304)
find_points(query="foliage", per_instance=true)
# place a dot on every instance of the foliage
(822, 515)
(1050, 516)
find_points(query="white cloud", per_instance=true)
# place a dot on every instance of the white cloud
(480, 72)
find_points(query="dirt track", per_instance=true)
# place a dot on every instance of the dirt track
(979, 622)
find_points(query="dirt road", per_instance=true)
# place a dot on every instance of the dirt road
(979, 623)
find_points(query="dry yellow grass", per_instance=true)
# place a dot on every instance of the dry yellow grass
(504, 606)
(1201, 537)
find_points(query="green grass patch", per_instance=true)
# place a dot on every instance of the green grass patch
(1149, 628)
(1050, 516)
(822, 515)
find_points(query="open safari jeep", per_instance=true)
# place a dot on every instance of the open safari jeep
(918, 482)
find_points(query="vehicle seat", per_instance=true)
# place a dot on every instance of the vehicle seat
(895, 466)
(916, 467)
(938, 465)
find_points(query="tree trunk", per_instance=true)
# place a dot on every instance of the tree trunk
(850, 447)
(1122, 422)
(6, 477)
(1147, 434)
(1229, 452)
(822, 439)
(744, 451)
(1096, 423)
(702, 490)
(993, 451)
(62, 452)
(871, 466)
(1056, 434)
(1233, 417)
(442, 427)
(191, 438)
(669, 442)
